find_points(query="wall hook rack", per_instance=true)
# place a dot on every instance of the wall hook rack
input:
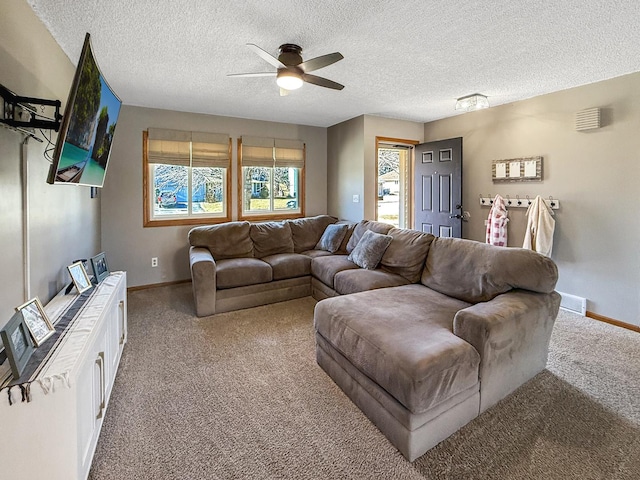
(487, 201)
(16, 107)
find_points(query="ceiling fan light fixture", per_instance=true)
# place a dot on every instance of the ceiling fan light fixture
(475, 101)
(288, 79)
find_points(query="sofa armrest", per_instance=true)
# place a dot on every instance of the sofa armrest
(511, 333)
(203, 278)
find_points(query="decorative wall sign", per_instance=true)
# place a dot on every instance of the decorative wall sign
(528, 169)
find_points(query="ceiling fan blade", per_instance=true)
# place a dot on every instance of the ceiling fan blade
(323, 82)
(266, 56)
(320, 62)
(284, 92)
(260, 74)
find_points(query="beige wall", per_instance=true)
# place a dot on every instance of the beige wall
(594, 174)
(64, 221)
(127, 244)
(351, 162)
(345, 169)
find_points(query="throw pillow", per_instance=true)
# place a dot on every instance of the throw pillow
(332, 238)
(370, 249)
(363, 226)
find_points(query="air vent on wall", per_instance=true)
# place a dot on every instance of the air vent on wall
(573, 303)
(588, 119)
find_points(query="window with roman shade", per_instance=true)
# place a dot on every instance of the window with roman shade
(186, 177)
(271, 183)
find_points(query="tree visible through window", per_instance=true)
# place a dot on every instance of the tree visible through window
(187, 177)
(174, 197)
(272, 172)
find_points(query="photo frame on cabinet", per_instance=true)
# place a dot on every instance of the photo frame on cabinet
(100, 267)
(79, 277)
(17, 343)
(36, 320)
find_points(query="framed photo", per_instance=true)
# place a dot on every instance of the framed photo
(17, 343)
(100, 267)
(36, 320)
(79, 277)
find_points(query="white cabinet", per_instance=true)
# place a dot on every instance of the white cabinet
(55, 435)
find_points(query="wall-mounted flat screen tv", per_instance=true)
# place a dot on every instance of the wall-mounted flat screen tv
(82, 150)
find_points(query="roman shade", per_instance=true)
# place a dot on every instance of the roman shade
(257, 152)
(289, 153)
(209, 150)
(188, 149)
(170, 147)
(269, 152)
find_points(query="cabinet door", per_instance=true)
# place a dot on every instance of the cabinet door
(91, 391)
(112, 322)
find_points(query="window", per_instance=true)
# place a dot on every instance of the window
(186, 177)
(393, 175)
(271, 179)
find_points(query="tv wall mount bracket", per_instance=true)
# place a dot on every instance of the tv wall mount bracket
(21, 113)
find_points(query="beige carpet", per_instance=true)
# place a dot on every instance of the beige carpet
(239, 395)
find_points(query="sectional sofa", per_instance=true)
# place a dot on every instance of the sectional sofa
(429, 334)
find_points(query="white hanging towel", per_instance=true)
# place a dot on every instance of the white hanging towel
(497, 223)
(540, 227)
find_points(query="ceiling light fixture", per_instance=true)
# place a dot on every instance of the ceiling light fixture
(475, 101)
(289, 79)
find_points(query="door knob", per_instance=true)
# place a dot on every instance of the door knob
(457, 215)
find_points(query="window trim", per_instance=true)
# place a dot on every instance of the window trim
(147, 221)
(270, 216)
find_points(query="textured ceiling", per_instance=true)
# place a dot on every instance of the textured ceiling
(407, 59)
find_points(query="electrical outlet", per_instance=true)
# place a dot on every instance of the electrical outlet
(154, 261)
(356, 198)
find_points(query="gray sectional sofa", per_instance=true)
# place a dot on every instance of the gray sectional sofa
(439, 330)
(240, 264)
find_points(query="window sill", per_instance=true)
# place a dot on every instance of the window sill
(185, 221)
(270, 216)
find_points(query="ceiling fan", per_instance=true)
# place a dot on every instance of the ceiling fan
(291, 70)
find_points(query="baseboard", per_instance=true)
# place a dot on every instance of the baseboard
(154, 285)
(611, 321)
(595, 316)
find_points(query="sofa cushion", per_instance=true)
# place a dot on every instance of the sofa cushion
(477, 272)
(360, 280)
(270, 238)
(227, 240)
(345, 241)
(238, 272)
(362, 227)
(307, 231)
(316, 253)
(288, 265)
(402, 339)
(407, 253)
(325, 268)
(332, 238)
(369, 250)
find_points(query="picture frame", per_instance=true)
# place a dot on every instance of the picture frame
(36, 320)
(79, 276)
(100, 267)
(17, 343)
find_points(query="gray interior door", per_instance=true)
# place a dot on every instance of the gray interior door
(438, 188)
